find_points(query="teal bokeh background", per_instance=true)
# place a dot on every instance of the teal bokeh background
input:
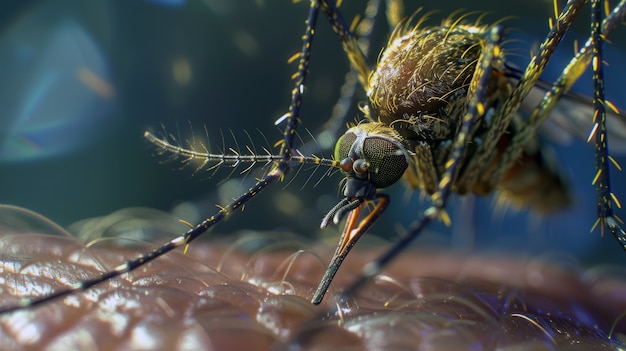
(83, 81)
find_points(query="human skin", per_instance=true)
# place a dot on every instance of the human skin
(220, 296)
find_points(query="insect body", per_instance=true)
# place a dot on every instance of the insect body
(442, 113)
(418, 95)
(426, 102)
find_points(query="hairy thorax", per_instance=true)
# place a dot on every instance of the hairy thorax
(421, 82)
(421, 89)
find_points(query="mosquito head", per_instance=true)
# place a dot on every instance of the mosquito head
(372, 157)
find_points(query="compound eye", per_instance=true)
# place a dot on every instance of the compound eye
(386, 160)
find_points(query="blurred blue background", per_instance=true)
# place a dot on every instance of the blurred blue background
(82, 81)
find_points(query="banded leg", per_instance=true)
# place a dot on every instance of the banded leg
(348, 41)
(422, 173)
(363, 31)
(180, 241)
(276, 173)
(602, 180)
(570, 74)
(511, 105)
(356, 44)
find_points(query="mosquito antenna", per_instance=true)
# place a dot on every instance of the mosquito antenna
(252, 152)
(238, 148)
(192, 144)
(291, 121)
(315, 167)
(311, 174)
(328, 173)
(179, 142)
(222, 150)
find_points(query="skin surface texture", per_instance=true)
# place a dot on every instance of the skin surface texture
(253, 293)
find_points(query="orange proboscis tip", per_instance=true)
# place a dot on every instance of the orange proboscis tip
(352, 235)
(349, 233)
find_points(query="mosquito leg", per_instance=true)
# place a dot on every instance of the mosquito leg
(336, 123)
(395, 12)
(356, 44)
(422, 172)
(348, 41)
(143, 259)
(577, 66)
(277, 172)
(293, 115)
(504, 117)
(476, 109)
(570, 74)
(541, 58)
(362, 30)
(602, 180)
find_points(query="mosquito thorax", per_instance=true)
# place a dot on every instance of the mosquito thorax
(372, 156)
(421, 80)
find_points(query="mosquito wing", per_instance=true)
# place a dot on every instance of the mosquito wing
(573, 117)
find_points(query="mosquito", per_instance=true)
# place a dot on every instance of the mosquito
(442, 114)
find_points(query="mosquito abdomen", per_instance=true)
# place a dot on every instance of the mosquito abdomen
(534, 182)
